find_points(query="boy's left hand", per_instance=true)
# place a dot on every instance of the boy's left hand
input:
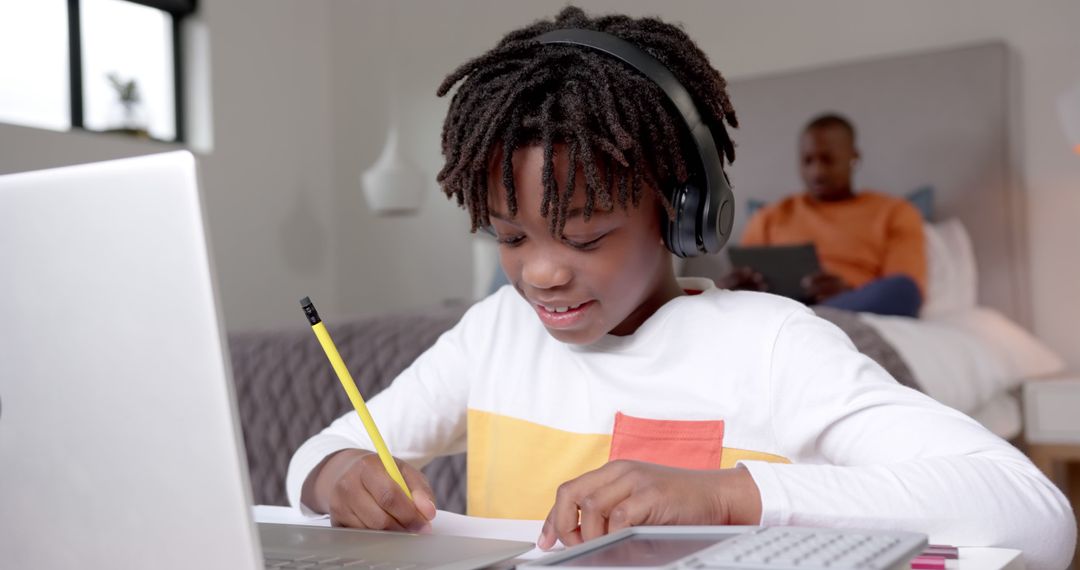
(633, 493)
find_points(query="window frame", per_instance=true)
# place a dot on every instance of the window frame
(177, 9)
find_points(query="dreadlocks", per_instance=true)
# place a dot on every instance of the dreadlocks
(523, 93)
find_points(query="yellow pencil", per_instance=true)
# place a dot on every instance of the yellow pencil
(354, 395)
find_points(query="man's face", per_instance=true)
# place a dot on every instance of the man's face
(598, 277)
(826, 157)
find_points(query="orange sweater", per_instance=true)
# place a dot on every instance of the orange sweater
(867, 237)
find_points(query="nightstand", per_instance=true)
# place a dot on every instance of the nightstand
(1052, 422)
(1052, 435)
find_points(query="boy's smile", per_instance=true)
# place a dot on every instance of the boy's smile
(555, 316)
(605, 275)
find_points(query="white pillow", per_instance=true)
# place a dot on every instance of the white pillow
(952, 282)
(1023, 356)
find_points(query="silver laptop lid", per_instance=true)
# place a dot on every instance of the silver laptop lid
(118, 443)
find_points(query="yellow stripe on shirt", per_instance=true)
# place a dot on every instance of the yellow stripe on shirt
(515, 466)
(731, 456)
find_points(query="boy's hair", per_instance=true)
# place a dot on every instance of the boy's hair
(522, 93)
(831, 121)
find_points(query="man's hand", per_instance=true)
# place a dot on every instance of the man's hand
(821, 286)
(633, 493)
(744, 278)
(355, 489)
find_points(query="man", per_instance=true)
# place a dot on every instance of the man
(870, 245)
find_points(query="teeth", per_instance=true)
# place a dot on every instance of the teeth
(561, 309)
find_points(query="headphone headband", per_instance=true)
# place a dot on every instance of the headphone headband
(715, 200)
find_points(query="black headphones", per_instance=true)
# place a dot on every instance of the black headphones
(705, 205)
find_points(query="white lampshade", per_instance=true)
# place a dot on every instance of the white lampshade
(393, 185)
(1069, 111)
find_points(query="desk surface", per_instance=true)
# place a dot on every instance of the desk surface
(971, 558)
(986, 558)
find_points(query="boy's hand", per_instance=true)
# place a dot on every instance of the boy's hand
(633, 493)
(355, 489)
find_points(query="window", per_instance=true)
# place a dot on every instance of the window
(99, 65)
(34, 89)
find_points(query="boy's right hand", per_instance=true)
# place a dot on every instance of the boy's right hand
(354, 488)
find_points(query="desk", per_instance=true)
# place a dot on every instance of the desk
(970, 558)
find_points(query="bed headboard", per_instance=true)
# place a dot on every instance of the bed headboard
(940, 118)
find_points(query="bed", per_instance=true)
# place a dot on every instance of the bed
(939, 120)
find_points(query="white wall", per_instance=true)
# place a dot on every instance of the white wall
(268, 180)
(413, 261)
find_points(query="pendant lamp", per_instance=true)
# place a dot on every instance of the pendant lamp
(393, 186)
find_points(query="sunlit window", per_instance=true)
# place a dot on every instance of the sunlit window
(34, 89)
(127, 69)
(101, 65)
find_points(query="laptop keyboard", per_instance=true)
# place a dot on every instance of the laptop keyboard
(330, 562)
(780, 547)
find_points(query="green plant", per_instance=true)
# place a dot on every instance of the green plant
(127, 91)
(129, 97)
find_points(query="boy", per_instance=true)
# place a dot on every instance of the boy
(599, 391)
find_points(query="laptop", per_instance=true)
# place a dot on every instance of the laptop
(782, 266)
(119, 440)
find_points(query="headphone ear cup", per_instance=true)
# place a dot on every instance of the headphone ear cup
(702, 223)
(715, 217)
(681, 233)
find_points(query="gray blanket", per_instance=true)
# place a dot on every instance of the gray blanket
(870, 343)
(286, 391)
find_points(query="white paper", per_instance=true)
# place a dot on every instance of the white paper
(445, 523)
(453, 524)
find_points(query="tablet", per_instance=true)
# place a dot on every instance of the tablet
(709, 547)
(782, 266)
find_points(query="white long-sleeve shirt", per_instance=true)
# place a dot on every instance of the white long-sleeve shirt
(708, 381)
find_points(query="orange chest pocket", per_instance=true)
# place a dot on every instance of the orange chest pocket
(675, 443)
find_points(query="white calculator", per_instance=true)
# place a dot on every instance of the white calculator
(769, 548)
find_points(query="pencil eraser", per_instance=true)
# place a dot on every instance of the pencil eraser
(928, 563)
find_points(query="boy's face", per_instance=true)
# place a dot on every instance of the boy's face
(603, 276)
